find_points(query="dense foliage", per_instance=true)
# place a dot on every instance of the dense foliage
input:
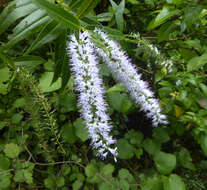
(44, 142)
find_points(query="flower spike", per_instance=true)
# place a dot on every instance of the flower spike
(126, 73)
(91, 98)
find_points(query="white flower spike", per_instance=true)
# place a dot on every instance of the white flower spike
(91, 98)
(126, 73)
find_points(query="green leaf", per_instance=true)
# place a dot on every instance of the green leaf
(196, 62)
(153, 184)
(125, 150)
(91, 170)
(162, 17)
(68, 133)
(125, 174)
(4, 163)
(68, 102)
(173, 182)
(12, 150)
(60, 181)
(28, 31)
(165, 162)
(19, 103)
(176, 2)
(192, 14)
(85, 7)
(4, 74)
(135, 137)
(15, 15)
(77, 185)
(5, 181)
(124, 184)
(107, 170)
(50, 32)
(29, 20)
(46, 80)
(120, 102)
(185, 159)
(16, 118)
(203, 142)
(116, 88)
(151, 146)
(165, 31)
(161, 135)
(29, 62)
(60, 15)
(119, 11)
(49, 183)
(80, 129)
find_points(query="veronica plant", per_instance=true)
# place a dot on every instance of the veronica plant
(82, 53)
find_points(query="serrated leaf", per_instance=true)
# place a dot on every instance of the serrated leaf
(165, 162)
(60, 15)
(12, 150)
(162, 17)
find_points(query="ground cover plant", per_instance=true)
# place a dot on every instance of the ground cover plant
(46, 142)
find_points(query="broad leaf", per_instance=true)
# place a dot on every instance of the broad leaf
(165, 162)
(192, 14)
(162, 17)
(196, 62)
(173, 182)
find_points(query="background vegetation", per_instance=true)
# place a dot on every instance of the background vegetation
(43, 141)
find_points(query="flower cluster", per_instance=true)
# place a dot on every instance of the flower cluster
(91, 101)
(82, 53)
(126, 73)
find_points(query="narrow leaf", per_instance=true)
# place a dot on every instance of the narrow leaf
(16, 14)
(85, 7)
(30, 19)
(27, 31)
(59, 14)
(48, 33)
